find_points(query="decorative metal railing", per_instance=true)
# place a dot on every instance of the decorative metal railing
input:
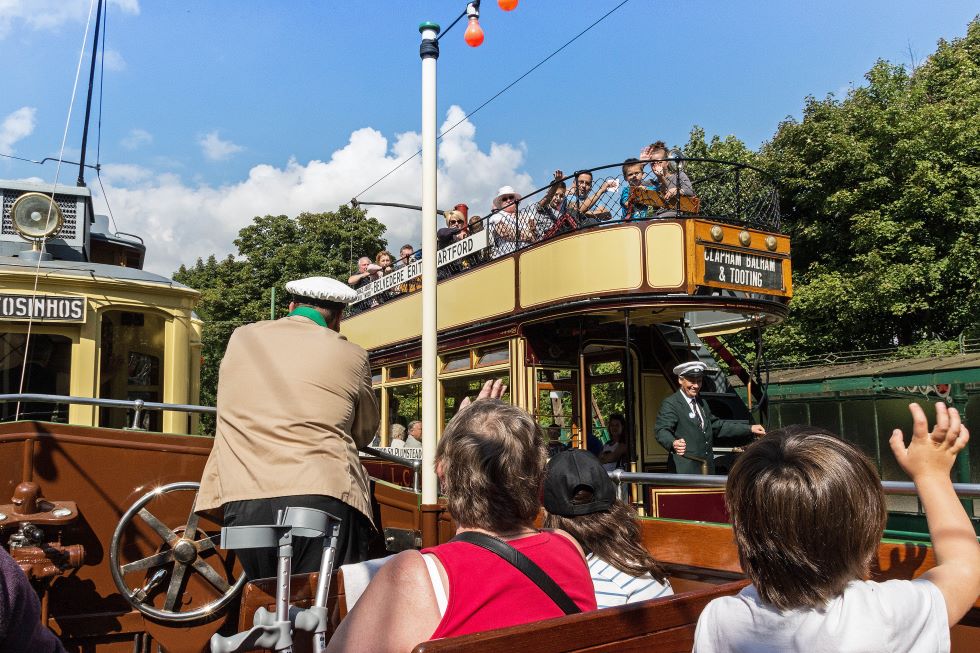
(711, 189)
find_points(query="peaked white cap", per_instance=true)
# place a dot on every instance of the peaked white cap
(691, 368)
(323, 289)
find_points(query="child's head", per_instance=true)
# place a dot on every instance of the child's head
(633, 171)
(808, 512)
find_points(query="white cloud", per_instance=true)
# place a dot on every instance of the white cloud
(113, 60)
(136, 139)
(125, 173)
(182, 221)
(16, 126)
(216, 149)
(51, 14)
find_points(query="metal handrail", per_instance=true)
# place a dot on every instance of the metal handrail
(416, 465)
(621, 478)
(138, 405)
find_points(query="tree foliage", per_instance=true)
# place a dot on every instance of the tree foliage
(881, 193)
(272, 251)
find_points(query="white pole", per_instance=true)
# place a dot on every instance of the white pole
(429, 51)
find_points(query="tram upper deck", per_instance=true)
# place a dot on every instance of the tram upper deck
(721, 253)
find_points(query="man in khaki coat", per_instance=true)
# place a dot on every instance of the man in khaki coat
(294, 405)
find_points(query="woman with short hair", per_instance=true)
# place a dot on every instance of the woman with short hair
(490, 464)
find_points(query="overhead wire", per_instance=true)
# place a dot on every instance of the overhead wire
(497, 94)
(57, 175)
(98, 141)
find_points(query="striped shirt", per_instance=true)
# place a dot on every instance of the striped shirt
(614, 587)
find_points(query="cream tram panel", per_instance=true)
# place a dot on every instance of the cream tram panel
(665, 255)
(471, 297)
(604, 260)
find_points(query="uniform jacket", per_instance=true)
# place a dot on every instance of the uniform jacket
(676, 422)
(294, 405)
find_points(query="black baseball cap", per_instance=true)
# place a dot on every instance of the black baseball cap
(570, 471)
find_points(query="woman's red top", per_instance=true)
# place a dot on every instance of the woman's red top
(487, 592)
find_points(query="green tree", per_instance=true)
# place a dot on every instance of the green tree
(881, 193)
(271, 251)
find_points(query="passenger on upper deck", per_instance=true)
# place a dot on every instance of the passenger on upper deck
(294, 405)
(490, 464)
(808, 514)
(456, 229)
(405, 256)
(506, 230)
(385, 262)
(363, 275)
(550, 208)
(667, 181)
(581, 206)
(628, 196)
(580, 498)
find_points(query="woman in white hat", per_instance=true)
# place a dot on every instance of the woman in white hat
(505, 225)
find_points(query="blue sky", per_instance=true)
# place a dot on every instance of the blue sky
(217, 111)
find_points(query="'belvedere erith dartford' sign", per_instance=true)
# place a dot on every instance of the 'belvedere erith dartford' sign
(742, 269)
(44, 308)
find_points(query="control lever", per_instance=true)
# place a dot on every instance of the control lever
(306, 522)
(154, 580)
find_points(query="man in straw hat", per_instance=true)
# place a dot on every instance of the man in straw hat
(686, 428)
(294, 405)
(507, 230)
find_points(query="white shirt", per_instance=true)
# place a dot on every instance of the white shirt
(614, 587)
(501, 245)
(891, 617)
(397, 444)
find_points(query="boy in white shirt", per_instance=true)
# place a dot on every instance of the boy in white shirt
(808, 513)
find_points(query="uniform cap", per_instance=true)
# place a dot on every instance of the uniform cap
(322, 289)
(570, 471)
(691, 368)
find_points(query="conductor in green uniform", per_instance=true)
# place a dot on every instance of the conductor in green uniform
(686, 428)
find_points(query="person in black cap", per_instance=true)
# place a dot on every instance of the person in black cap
(580, 498)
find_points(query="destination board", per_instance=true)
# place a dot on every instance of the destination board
(742, 269)
(44, 308)
(411, 453)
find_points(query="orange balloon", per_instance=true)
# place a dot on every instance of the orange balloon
(507, 5)
(474, 34)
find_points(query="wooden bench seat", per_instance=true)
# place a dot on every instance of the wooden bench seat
(664, 625)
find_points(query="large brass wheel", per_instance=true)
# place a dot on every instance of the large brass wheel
(180, 554)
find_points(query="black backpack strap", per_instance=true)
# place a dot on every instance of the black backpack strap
(524, 565)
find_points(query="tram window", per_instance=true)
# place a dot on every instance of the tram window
(397, 372)
(557, 402)
(131, 350)
(404, 404)
(48, 371)
(492, 355)
(417, 370)
(607, 398)
(605, 367)
(376, 377)
(457, 362)
(454, 390)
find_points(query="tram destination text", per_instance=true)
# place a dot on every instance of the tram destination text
(742, 269)
(42, 307)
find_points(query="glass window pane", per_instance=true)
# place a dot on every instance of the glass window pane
(457, 362)
(454, 390)
(492, 355)
(398, 372)
(376, 377)
(404, 404)
(130, 365)
(48, 371)
(417, 370)
(605, 367)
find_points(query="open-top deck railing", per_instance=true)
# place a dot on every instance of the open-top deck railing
(137, 405)
(730, 192)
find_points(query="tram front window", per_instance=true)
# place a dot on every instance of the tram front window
(404, 404)
(48, 371)
(130, 355)
(455, 390)
(557, 406)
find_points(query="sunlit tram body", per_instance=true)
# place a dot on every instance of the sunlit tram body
(102, 456)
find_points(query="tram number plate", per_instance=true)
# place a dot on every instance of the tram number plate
(742, 269)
